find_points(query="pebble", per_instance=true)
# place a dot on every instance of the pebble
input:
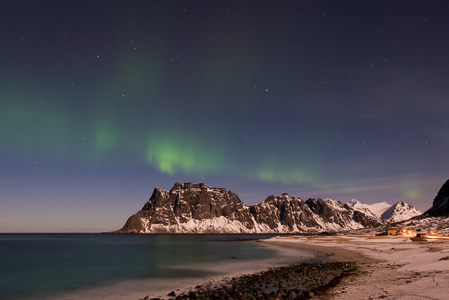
(299, 281)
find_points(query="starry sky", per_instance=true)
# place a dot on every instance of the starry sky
(102, 101)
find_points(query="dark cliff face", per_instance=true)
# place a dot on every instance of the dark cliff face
(332, 211)
(284, 210)
(190, 201)
(196, 202)
(364, 219)
(440, 205)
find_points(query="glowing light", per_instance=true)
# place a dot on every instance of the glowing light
(105, 135)
(411, 192)
(29, 124)
(292, 174)
(172, 154)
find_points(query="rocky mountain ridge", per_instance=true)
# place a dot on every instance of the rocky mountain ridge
(198, 208)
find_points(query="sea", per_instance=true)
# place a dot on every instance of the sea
(129, 266)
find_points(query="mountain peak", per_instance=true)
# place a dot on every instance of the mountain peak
(196, 208)
(400, 211)
(188, 185)
(353, 202)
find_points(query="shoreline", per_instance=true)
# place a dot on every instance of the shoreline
(336, 254)
(300, 279)
(285, 256)
(214, 275)
(388, 267)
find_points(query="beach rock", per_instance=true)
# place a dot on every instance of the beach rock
(314, 276)
(282, 285)
(291, 295)
(309, 294)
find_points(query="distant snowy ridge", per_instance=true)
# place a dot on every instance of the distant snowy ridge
(197, 208)
(375, 210)
(386, 212)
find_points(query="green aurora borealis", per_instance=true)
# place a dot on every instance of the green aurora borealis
(309, 98)
(47, 131)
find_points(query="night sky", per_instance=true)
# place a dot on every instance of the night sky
(102, 101)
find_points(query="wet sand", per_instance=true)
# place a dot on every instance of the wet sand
(388, 267)
(336, 254)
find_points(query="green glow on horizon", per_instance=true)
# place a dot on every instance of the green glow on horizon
(171, 155)
(105, 135)
(49, 130)
(411, 192)
(292, 174)
(32, 124)
(44, 129)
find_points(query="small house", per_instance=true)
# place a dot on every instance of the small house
(391, 232)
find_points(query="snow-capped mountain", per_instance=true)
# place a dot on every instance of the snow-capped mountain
(386, 212)
(400, 211)
(376, 209)
(197, 208)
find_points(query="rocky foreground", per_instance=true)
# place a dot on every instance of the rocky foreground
(300, 281)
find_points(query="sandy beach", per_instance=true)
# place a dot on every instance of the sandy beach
(389, 267)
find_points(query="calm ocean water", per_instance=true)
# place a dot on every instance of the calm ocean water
(37, 266)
